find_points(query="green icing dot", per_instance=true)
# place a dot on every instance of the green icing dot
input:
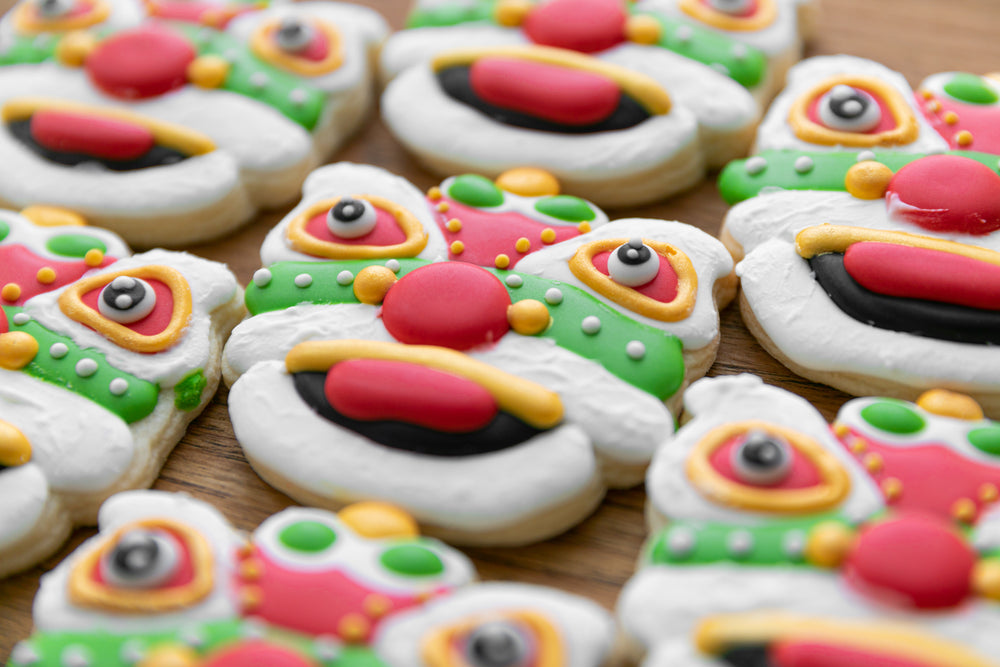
(475, 190)
(893, 417)
(74, 245)
(187, 392)
(412, 560)
(970, 88)
(565, 207)
(308, 536)
(987, 439)
(4, 230)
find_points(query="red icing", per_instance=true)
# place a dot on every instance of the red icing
(454, 305)
(979, 120)
(375, 389)
(662, 288)
(921, 273)
(19, 265)
(182, 576)
(802, 475)
(750, 10)
(254, 653)
(191, 11)
(96, 136)
(486, 235)
(823, 654)
(552, 93)
(317, 49)
(140, 63)
(947, 193)
(154, 323)
(579, 25)
(4, 324)
(386, 231)
(915, 560)
(886, 124)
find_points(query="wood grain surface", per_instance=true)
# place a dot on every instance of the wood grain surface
(916, 37)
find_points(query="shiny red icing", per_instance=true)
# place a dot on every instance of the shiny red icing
(886, 124)
(376, 389)
(4, 324)
(486, 235)
(981, 121)
(182, 576)
(802, 475)
(154, 323)
(579, 25)
(913, 561)
(921, 273)
(317, 49)
(386, 231)
(142, 62)
(552, 93)
(947, 193)
(96, 136)
(19, 265)
(454, 305)
(824, 654)
(192, 11)
(255, 653)
(662, 288)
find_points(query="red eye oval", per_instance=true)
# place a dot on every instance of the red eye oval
(757, 458)
(144, 306)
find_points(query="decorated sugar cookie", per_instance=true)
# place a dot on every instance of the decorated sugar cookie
(46, 21)
(198, 132)
(98, 379)
(771, 545)
(169, 582)
(964, 109)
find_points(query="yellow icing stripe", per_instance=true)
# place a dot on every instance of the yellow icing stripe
(53, 216)
(640, 87)
(264, 46)
(439, 645)
(820, 239)
(765, 15)
(530, 402)
(168, 135)
(28, 20)
(15, 449)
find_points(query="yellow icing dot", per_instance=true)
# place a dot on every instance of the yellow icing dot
(583, 227)
(173, 655)
(988, 493)
(511, 13)
(15, 450)
(643, 29)
(251, 569)
(986, 578)
(376, 520)
(372, 284)
(443, 206)
(213, 18)
(528, 182)
(840, 429)
(964, 509)
(926, 94)
(46, 275)
(94, 257)
(951, 118)
(528, 317)
(75, 47)
(892, 488)
(501, 261)
(828, 544)
(934, 106)
(251, 598)
(11, 292)
(457, 248)
(868, 179)
(950, 404)
(377, 605)
(53, 216)
(434, 193)
(454, 225)
(548, 235)
(873, 462)
(964, 138)
(522, 245)
(858, 445)
(208, 71)
(353, 627)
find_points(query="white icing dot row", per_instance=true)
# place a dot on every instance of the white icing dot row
(513, 280)
(345, 278)
(262, 278)
(553, 296)
(303, 280)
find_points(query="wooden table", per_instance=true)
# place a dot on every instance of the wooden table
(916, 37)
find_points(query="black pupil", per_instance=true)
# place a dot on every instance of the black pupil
(849, 106)
(495, 645)
(292, 31)
(762, 452)
(135, 555)
(130, 288)
(348, 210)
(50, 6)
(633, 255)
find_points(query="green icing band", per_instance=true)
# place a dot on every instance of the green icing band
(137, 402)
(187, 392)
(29, 49)
(776, 169)
(445, 15)
(4, 230)
(659, 372)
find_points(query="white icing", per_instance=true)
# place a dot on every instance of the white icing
(35, 237)
(24, 493)
(408, 47)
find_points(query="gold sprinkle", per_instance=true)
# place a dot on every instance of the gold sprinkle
(964, 138)
(501, 261)
(251, 569)
(988, 493)
(443, 207)
(46, 275)
(840, 429)
(926, 94)
(454, 225)
(892, 488)
(858, 445)
(94, 257)
(11, 292)
(457, 248)
(583, 227)
(828, 544)
(643, 29)
(377, 605)
(934, 106)
(246, 550)
(251, 597)
(986, 578)
(548, 235)
(951, 118)
(353, 627)
(964, 509)
(434, 193)
(873, 462)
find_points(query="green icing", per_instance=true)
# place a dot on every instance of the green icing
(475, 190)
(448, 14)
(970, 88)
(138, 401)
(4, 230)
(827, 171)
(659, 372)
(893, 417)
(308, 536)
(565, 207)
(986, 439)
(412, 560)
(74, 245)
(29, 49)
(187, 392)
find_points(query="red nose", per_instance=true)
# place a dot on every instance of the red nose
(587, 26)
(140, 63)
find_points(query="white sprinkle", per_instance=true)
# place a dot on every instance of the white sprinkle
(804, 164)
(259, 80)
(24, 654)
(22, 318)
(852, 107)
(76, 656)
(86, 367)
(261, 277)
(132, 652)
(553, 296)
(393, 265)
(739, 51)
(681, 541)
(123, 301)
(514, 280)
(58, 350)
(591, 324)
(254, 629)
(123, 283)
(841, 92)
(327, 648)
(635, 350)
(42, 41)
(864, 156)
(794, 543)
(755, 165)
(684, 33)
(345, 278)
(193, 637)
(298, 97)
(118, 386)
(303, 280)
(739, 542)
(721, 69)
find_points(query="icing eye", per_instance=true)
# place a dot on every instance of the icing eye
(126, 299)
(53, 9)
(971, 89)
(986, 439)
(141, 559)
(633, 263)
(294, 34)
(475, 190)
(849, 109)
(734, 7)
(309, 537)
(763, 459)
(893, 417)
(565, 207)
(412, 560)
(497, 644)
(351, 218)
(74, 245)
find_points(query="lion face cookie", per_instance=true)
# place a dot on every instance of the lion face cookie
(100, 378)
(771, 544)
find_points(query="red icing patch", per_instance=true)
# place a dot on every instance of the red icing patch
(20, 265)
(375, 390)
(587, 26)
(486, 235)
(140, 63)
(317, 49)
(921, 273)
(979, 120)
(254, 653)
(454, 305)
(947, 193)
(191, 11)
(552, 93)
(96, 136)
(819, 654)
(803, 473)
(386, 231)
(154, 323)
(915, 560)
(182, 576)
(886, 124)
(662, 288)
(4, 324)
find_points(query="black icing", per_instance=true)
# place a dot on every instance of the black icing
(135, 556)
(838, 105)
(348, 209)
(455, 82)
(110, 293)
(919, 317)
(495, 644)
(157, 156)
(642, 253)
(747, 656)
(503, 432)
(762, 452)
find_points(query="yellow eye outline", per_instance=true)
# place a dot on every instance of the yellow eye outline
(263, 45)
(766, 14)
(27, 20)
(438, 648)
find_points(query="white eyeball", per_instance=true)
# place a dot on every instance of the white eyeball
(142, 558)
(633, 263)
(735, 7)
(351, 218)
(763, 459)
(497, 644)
(849, 109)
(126, 300)
(53, 9)
(293, 34)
